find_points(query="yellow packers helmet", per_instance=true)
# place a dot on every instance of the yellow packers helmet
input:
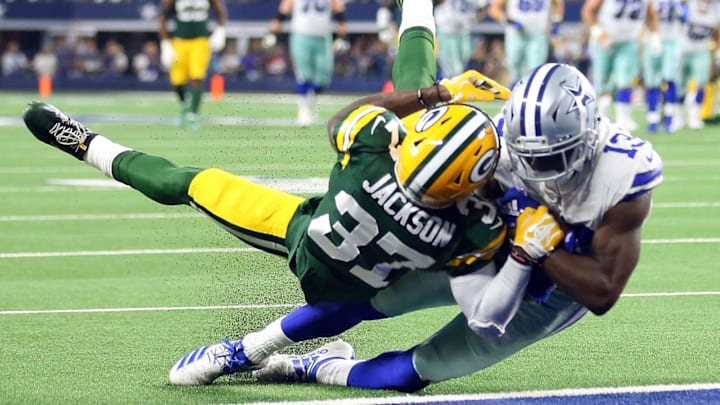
(448, 152)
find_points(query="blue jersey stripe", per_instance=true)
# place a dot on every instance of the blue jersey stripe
(646, 177)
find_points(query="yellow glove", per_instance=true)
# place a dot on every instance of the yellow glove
(474, 86)
(537, 234)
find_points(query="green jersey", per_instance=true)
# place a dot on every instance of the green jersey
(364, 232)
(191, 18)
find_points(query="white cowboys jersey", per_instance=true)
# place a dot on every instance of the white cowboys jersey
(534, 15)
(455, 16)
(622, 20)
(699, 30)
(312, 17)
(669, 12)
(624, 167)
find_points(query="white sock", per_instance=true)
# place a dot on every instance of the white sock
(669, 109)
(653, 117)
(259, 345)
(102, 152)
(622, 112)
(604, 104)
(335, 372)
(417, 13)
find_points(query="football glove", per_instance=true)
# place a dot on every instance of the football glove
(167, 53)
(513, 203)
(217, 39)
(536, 236)
(269, 40)
(474, 86)
(341, 45)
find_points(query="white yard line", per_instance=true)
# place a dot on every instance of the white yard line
(474, 398)
(146, 215)
(22, 255)
(275, 306)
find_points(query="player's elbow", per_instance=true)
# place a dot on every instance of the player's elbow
(603, 301)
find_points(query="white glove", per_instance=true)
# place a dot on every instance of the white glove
(269, 40)
(341, 45)
(217, 39)
(167, 53)
(536, 235)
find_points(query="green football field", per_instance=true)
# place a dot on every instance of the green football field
(102, 290)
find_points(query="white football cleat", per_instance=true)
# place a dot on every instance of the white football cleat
(205, 364)
(304, 367)
(696, 123)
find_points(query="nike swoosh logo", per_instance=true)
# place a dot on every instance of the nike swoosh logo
(379, 120)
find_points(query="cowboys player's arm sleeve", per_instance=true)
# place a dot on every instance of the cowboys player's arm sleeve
(490, 300)
(597, 281)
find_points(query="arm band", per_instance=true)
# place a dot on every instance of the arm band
(282, 17)
(339, 16)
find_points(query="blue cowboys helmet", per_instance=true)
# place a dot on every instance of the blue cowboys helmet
(551, 123)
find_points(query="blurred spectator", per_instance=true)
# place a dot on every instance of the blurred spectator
(64, 55)
(253, 60)
(88, 60)
(146, 64)
(14, 62)
(276, 63)
(115, 60)
(45, 62)
(230, 63)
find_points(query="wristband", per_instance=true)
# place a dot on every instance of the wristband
(281, 17)
(339, 16)
(521, 256)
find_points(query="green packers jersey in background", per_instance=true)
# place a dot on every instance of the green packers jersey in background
(191, 18)
(364, 232)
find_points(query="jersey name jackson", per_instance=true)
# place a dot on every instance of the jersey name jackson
(429, 228)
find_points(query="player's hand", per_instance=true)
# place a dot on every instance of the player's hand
(513, 203)
(536, 236)
(341, 45)
(474, 86)
(167, 53)
(269, 40)
(217, 39)
(515, 24)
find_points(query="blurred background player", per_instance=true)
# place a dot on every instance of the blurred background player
(700, 36)
(187, 54)
(615, 31)
(311, 47)
(527, 25)
(661, 67)
(454, 20)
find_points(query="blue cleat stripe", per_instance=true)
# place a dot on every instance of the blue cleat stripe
(181, 364)
(312, 374)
